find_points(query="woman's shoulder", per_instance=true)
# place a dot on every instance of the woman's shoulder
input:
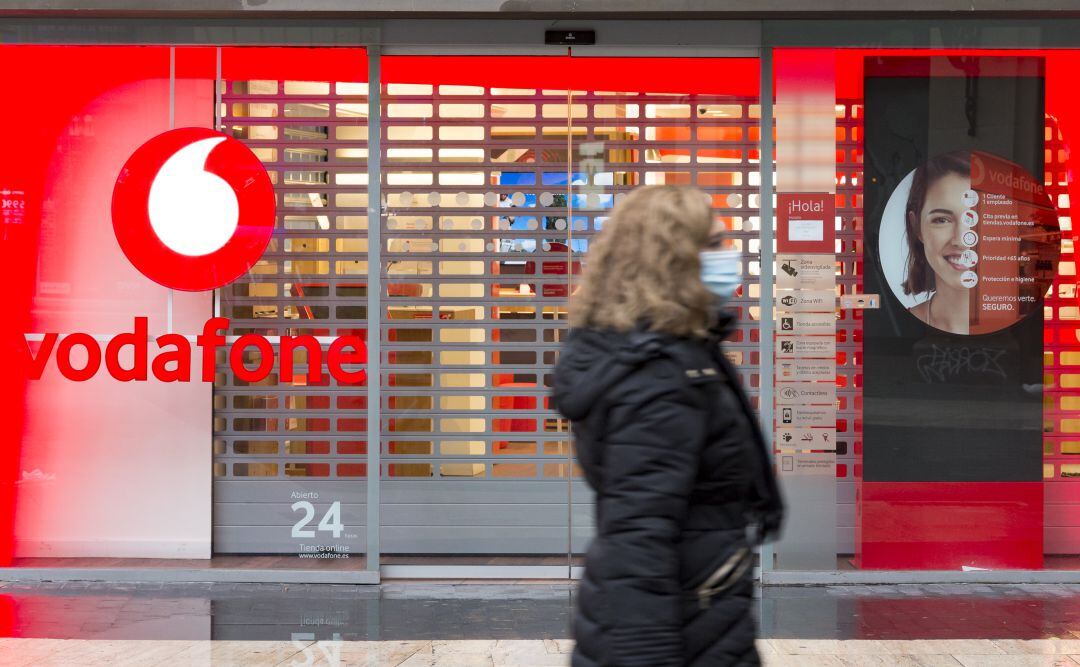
(921, 310)
(675, 372)
(693, 353)
(646, 355)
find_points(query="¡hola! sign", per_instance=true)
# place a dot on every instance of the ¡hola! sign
(193, 210)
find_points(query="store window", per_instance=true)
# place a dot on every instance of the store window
(927, 420)
(94, 466)
(496, 173)
(108, 461)
(947, 177)
(290, 455)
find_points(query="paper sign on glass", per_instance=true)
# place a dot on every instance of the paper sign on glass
(806, 369)
(806, 439)
(806, 300)
(806, 323)
(814, 272)
(806, 393)
(799, 346)
(806, 230)
(806, 416)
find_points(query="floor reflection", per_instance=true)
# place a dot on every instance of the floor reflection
(285, 612)
(465, 611)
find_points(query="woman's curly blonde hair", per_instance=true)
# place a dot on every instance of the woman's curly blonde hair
(643, 267)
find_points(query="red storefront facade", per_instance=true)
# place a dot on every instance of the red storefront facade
(432, 210)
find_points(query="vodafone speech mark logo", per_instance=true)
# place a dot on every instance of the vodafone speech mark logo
(193, 209)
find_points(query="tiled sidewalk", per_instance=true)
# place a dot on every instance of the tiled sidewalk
(519, 653)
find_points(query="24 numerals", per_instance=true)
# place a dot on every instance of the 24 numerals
(330, 523)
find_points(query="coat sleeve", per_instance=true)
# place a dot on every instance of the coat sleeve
(650, 463)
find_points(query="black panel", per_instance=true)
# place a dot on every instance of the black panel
(941, 406)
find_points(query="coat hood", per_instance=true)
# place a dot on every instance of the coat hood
(592, 361)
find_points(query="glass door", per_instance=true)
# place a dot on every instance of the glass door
(668, 121)
(497, 171)
(474, 307)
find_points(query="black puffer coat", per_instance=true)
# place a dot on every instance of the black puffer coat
(669, 443)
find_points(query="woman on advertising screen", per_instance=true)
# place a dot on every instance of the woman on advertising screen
(939, 262)
(667, 440)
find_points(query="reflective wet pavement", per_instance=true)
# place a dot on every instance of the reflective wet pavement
(939, 611)
(519, 611)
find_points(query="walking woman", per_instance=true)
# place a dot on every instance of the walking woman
(667, 440)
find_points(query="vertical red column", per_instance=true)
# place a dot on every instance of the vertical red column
(18, 246)
(21, 181)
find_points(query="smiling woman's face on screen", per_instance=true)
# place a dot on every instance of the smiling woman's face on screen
(968, 243)
(940, 229)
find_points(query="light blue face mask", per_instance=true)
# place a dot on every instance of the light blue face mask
(720, 272)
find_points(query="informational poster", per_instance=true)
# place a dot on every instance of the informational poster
(961, 243)
(806, 222)
(805, 365)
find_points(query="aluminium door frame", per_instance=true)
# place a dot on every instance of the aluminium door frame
(568, 571)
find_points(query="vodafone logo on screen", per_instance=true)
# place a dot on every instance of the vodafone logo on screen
(193, 209)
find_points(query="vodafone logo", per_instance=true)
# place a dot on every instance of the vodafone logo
(193, 209)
